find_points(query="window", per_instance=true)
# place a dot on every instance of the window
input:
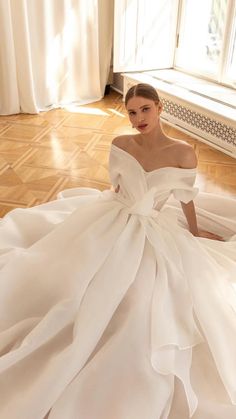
(146, 32)
(207, 39)
(231, 64)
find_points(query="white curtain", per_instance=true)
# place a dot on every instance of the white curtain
(53, 52)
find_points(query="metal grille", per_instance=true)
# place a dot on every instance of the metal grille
(201, 122)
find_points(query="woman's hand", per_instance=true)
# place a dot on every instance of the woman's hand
(117, 188)
(208, 235)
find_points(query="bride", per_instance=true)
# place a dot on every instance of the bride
(121, 304)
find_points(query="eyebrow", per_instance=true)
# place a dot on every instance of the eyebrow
(141, 107)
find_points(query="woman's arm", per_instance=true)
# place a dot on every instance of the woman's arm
(190, 214)
(188, 159)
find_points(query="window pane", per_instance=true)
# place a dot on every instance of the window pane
(231, 68)
(201, 34)
(145, 34)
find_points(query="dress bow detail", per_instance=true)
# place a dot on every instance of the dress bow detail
(145, 207)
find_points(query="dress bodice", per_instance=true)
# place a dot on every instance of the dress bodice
(135, 182)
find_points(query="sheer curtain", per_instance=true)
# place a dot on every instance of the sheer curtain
(53, 52)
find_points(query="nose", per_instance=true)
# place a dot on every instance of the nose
(141, 117)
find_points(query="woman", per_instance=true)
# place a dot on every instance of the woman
(152, 148)
(120, 304)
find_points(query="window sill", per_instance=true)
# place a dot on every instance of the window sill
(212, 96)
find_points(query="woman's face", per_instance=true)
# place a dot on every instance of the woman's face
(143, 113)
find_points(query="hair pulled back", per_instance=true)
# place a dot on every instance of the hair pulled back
(142, 90)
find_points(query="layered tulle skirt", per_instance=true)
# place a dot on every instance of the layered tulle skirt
(106, 313)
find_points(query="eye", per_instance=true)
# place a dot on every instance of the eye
(131, 113)
(146, 109)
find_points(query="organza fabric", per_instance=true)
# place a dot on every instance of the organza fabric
(111, 309)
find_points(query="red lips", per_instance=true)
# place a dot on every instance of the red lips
(142, 126)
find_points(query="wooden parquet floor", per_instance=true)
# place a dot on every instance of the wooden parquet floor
(43, 154)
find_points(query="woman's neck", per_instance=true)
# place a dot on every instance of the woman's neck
(153, 139)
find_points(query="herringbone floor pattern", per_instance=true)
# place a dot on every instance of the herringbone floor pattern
(42, 154)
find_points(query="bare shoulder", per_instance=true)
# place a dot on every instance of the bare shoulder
(123, 141)
(186, 155)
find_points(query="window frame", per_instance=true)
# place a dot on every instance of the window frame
(221, 75)
(127, 18)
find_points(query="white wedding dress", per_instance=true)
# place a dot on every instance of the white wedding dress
(111, 309)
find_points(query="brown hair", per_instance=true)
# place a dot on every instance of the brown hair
(143, 90)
